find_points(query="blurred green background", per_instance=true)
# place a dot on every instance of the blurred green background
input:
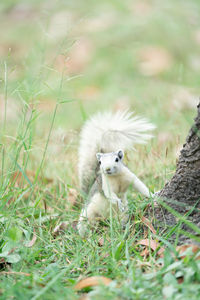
(143, 55)
(60, 62)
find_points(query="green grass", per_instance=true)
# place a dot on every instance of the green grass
(59, 63)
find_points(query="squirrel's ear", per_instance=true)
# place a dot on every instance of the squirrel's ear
(120, 154)
(98, 156)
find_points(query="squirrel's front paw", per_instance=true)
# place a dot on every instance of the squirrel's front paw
(120, 205)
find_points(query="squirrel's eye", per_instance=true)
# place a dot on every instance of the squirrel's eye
(99, 162)
(116, 159)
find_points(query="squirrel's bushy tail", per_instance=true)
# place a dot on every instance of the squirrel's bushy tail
(108, 132)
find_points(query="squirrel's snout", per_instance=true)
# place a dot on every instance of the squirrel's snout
(110, 171)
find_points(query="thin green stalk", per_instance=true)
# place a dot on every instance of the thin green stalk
(51, 127)
(5, 96)
(2, 164)
(111, 229)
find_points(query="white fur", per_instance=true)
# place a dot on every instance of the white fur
(114, 186)
(108, 132)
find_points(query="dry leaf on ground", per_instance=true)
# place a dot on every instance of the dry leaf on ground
(89, 93)
(18, 178)
(154, 61)
(141, 8)
(46, 105)
(32, 242)
(149, 243)
(100, 22)
(14, 273)
(184, 99)
(145, 252)
(101, 241)
(21, 11)
(164, 137)
(148, 224)
(197, 36)
(183, 251)
(72, 196)
(79, 56)
(183, 248)
(84, 297)
(59, 228)
(60, 63)
(13, 109)
(92, 281)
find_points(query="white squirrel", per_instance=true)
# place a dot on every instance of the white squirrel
(104, 179)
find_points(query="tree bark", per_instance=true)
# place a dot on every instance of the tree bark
(182, 192)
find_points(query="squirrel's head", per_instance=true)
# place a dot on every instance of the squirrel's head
(110, 163)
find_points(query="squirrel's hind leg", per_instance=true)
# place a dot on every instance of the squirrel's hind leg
(91, 214)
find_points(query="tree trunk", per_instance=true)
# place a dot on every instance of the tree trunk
(182, 192)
